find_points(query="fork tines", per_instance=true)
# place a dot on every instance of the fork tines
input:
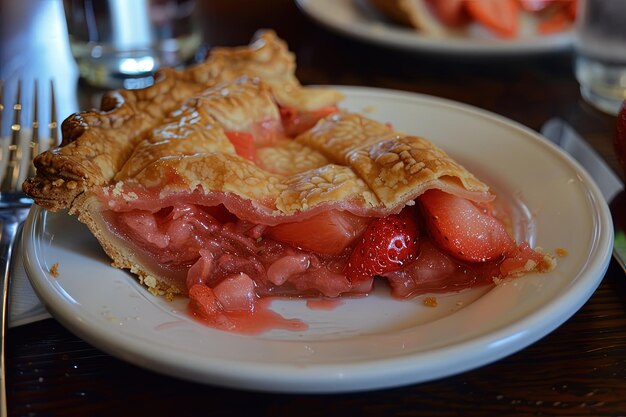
(20, 154)
(34, 138)
(12, 168)
(52, 126)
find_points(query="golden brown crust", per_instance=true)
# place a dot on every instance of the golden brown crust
(354, 159)
(199, 125)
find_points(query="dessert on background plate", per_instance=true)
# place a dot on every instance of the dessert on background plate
(231, 183)
(501, 18)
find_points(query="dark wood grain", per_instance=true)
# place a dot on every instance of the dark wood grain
(577, 370)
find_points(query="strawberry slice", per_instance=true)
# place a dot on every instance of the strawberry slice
(243, 143)
(464, 230)
(203, 301)
(387, 245)
(619, 140)
(296, 121)
(450, 12)
(558, 21)
(500, 16)
(236, 293)
(328, 233)
(572, 9)
(534, 5)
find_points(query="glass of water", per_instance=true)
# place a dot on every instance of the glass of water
(121, 43)
(600, 45)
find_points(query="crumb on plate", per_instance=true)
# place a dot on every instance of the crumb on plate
(54, 270)
(561, 252)
(430, 302)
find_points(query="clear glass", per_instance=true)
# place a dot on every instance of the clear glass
(121, 43)
(600, 45)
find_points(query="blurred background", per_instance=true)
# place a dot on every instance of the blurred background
(577, 370)
(323, 58)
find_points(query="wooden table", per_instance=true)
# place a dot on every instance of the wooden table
(578, 370)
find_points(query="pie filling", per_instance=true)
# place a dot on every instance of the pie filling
(227, 265)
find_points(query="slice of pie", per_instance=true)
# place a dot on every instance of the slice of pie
(230, 182)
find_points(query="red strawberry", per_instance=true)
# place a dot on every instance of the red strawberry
(243, 143)
(387, 245)
(500, 16)
(450, 12)
(534, 5)
(463, 229)
(329, 232)
(620, 136)
(296, 121)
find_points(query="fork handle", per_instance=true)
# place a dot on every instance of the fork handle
(10, 227)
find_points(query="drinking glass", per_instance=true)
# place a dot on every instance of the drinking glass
(600, 48)
(121, 43)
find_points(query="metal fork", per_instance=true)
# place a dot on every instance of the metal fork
(14, 204)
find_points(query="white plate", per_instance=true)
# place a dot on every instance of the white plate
(364, 343)
(356, 18)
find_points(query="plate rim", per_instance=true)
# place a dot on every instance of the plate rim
(350, 377)
(383, 34)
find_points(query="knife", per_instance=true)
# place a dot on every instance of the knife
(612, 188)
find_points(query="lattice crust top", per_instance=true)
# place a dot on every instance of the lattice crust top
(346, 157)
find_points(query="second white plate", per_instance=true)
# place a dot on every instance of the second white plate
(356, 18)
